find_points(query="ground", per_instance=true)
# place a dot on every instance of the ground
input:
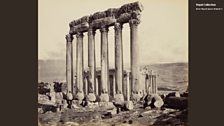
(97, 117)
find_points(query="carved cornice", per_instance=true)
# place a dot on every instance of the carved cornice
(107, 18)
(69, 37)
(107, 21)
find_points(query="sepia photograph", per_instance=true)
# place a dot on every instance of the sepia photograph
(113, 63)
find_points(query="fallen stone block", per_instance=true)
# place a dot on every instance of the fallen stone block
(71, 124)
(129, 105)
(157, 101)
(106, 105)
(175, 94)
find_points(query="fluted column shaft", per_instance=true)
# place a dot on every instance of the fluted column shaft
(69, 63)
(91, 60)
(79, 62)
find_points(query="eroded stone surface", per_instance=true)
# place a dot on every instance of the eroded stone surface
(91, 97)
(104, 97)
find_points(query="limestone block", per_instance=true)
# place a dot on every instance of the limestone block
(91, 97)
(104, 97)
(119, 99)
(106, 105)
(129, 105)
(80, 96)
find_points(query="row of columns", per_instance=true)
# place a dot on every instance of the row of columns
(151, 84)
(92, 85)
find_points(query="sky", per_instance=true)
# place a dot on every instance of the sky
(163, 31)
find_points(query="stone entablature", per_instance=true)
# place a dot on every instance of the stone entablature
(107, 18)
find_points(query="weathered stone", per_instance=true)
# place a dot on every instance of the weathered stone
(40, 110)
(157, 101)
(106, 105)
(112, 111)
(64, 104)
(92, 104)
(71, 124)
(148, 108)
(79, 66)
(136, 97)
(119, 99)
(104, 97)
(129, 105)
(80, 96)
(96, 24)
(69, 96)
(146, 113)
(175, 94)
(79, 28)
(91, 97)
(79, 21)
(42, 98)
(69, 62)
(74, 106)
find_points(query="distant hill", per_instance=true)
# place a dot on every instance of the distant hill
(51, 70)
(171, 76)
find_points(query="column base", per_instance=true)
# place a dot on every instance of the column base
(129, 105)
(119, 98)
(104, 97)
(136, 96)
(80, 96)
(91, 97)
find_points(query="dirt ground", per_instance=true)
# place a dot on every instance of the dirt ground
(97, 117)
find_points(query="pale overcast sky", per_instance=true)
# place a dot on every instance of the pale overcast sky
(163, 31)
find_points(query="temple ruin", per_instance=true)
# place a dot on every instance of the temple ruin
(88, 82)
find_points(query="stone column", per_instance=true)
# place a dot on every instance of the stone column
(128, 87)
(136, 86)
(154, 84)
(146, 84)
(118, 61)
(104, 64)
(91, 61)
(97, 87)
(151, 84)
(79, 66)
(114, 86)
(86, 85)
(69, 63)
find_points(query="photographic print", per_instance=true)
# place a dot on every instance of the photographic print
(112, 63)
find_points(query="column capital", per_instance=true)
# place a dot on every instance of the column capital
(118, 26)
(134, 22)
(104, 29)
(91, 32)
(79, 35)
(69, 37)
